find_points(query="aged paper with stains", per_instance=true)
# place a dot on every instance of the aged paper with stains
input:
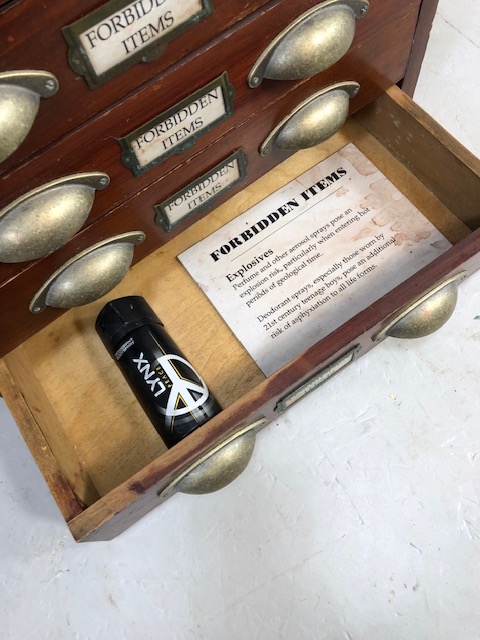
(299, 264)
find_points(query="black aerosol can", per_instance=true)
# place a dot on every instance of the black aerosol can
(171, 392)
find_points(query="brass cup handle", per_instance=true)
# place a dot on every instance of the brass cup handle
(314, 120)
(218, 467)
(43, 219)
(315, 41)
(426, 314)
(89, 275)
(20, 93)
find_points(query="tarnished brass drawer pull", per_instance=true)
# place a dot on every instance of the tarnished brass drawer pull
(45, 218)
(315, 41)
(218, 467)
(89, 275)
(20, 93)
(314, 120)
(426, 314)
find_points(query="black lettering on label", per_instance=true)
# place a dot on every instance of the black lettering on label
(123, 19)
(148, 32)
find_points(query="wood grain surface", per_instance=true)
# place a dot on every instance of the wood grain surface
(419, 45)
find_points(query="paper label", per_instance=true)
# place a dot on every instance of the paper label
(302, 262)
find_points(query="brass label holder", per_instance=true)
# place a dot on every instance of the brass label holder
(202, 192)
(120, 33)
(177, 129)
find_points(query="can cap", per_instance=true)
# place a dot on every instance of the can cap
(121, 316)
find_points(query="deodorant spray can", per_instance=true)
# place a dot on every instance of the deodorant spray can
(171, 392)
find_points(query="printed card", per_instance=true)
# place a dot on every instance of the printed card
(310, 256)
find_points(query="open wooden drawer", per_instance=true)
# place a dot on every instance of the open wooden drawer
(103, 461)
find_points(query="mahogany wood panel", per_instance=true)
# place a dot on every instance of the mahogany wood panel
(377, 60)
(32, 39)
(419, 45)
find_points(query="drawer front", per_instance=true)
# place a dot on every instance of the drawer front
(95, 147)
(96, 462)
(32, 37)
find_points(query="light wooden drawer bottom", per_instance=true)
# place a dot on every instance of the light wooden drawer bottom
(104, 463)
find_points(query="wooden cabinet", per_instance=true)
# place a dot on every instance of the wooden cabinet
(104, 463)
(376, 58)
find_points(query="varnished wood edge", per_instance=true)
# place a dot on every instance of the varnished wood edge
(419, 45)
(38, 446)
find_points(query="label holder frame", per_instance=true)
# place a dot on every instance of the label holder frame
(78, 57)
(129, 158)
(161, 216)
